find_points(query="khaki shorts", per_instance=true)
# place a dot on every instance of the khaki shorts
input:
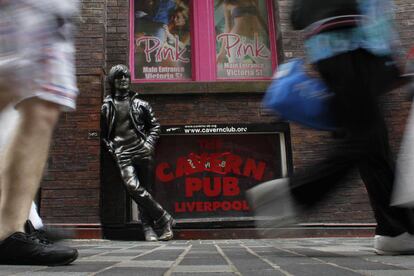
(36, 54)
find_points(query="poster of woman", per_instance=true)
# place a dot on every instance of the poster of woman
(162, 44)
(242, 39)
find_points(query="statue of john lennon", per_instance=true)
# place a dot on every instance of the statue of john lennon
(130, 131)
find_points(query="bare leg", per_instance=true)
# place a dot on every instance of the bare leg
(8, 121)
(24, 161)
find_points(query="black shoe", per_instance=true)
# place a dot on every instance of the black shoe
(55, 234)
(149, 233)
(30, 248)
(166, 229)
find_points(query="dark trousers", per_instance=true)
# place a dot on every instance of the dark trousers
(357, 78)
(137, 177)
(145, 171)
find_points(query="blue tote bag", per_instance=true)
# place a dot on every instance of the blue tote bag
(297, 97)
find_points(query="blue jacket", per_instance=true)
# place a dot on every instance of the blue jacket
(376, 34)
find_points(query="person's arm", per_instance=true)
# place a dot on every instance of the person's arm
(168, 34)
(228, 21)
(261, 20)
(171, 38)
(228, 26)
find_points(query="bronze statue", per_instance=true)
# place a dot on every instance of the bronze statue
(130, 131)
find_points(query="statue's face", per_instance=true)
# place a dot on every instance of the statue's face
(122, 82)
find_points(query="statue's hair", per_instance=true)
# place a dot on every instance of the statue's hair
(116, 71)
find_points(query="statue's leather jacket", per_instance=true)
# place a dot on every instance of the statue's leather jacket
(142, 118)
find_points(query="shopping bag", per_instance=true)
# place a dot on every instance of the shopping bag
(297, 97)
(306, 12)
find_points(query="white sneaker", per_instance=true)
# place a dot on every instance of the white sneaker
(399, 245)
(272, 203)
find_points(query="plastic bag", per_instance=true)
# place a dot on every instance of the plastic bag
(297, 97)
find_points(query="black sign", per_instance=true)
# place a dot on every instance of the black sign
(203, 171)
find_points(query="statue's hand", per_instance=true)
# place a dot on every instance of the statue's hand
(149, 147)
(110, 146)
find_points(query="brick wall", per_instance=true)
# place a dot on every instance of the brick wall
(71, 189)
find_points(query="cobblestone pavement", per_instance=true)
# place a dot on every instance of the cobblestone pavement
(318, 256)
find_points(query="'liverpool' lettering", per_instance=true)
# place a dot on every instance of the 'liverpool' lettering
(211, 206)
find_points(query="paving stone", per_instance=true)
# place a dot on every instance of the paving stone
(89, 252)
(205, 274)
(197, 246)
(245, 262)
(153, 263)
(265, 272)
(10, 269)
(229, 246)
(128, 271)
(133, 250)
(202, 268)
(101, 258)
(143, 247)
(183, 242)
(203, 261)
(164, 255)
(283, 261)
(42, 273)
(80, 267)
(317, 270)
(401, 261)
(203, 254)
(207, 252)
(83, 247)
(386, 272)
(128, 253)
(109, 248)
(338, 248)
(249, 265)
(208, 242)
(312, 253)
(174, 248)
(357, 263)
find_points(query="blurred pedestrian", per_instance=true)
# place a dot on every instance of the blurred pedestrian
(354, 62)
(36, 76)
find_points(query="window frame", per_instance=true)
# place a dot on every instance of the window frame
(204, 69)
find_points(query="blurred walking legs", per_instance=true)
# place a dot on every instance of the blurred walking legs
(37, 76)
(24, 161)
(356, 79)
